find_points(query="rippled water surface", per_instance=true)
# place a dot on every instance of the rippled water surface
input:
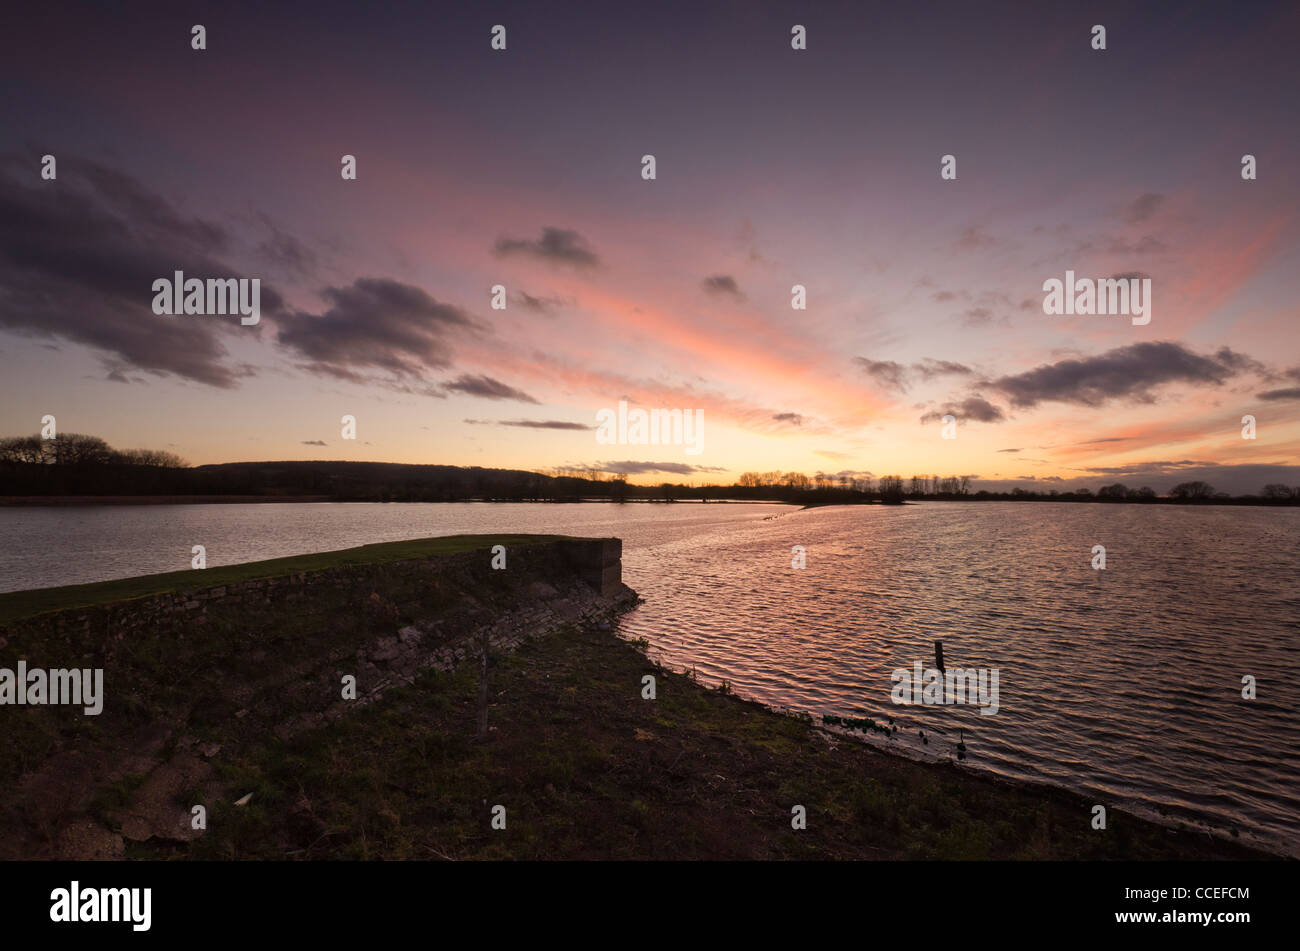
(1124, 683)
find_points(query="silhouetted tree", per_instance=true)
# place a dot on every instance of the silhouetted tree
(891, 488)
(26, 449)
(1192, 491)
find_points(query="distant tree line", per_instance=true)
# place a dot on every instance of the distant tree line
(1184, 492)
(78, 450)
(75, 464)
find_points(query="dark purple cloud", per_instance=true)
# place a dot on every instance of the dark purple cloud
(891, 373)
(78, 258)
(896, 376)
(540, 305)
(375, 324)
(1143, 207)
(722, 284)
(1130, 373)
(487, 388)
(972, 408)
(555, 246)
(532, 424)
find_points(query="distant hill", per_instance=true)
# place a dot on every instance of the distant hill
(77, 467)
(395, 482)
(339, 481)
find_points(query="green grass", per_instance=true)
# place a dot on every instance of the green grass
(24, 604)
(587, 769)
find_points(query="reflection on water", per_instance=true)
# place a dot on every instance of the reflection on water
(1123, 683)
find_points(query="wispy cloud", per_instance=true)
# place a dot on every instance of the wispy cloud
(722, 284)
(895, 376)
(532, 423)
(487, 388)
(540, 305)
(555, 246)
(644, 468)
(1143, 207)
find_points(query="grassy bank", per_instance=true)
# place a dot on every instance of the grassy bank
(587, 769)
(23, 604)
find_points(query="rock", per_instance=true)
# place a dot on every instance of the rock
(540, 589)
(87, 841)
(153, 811)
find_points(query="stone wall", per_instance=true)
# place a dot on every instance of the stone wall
(194, 677)
(597, 562)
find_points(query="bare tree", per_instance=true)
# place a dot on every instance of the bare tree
(77, 449)
(152, 457)
(1192, 491)
(22, 449)
(891, 488)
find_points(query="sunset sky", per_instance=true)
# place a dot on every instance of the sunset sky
(775, 167)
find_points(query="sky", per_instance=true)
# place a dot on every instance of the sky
(774, 167)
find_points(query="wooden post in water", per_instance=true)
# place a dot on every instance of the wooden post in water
(483, 688)
(938, 656)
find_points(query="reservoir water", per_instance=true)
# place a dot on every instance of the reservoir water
(1124, 684)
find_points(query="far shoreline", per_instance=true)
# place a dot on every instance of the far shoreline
(38, 501)
(63, 501)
